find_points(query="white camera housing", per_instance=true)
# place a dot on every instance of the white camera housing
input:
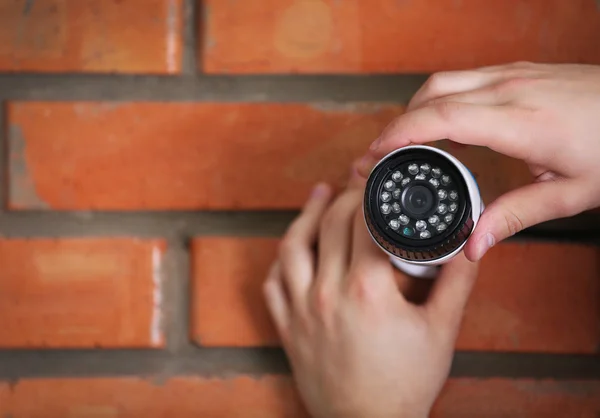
(407, 228)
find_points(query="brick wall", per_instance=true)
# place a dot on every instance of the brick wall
(154, 151)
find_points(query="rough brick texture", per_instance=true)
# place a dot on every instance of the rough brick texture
(275, 396)
(365, 36)
(227, 301)
(122, 36)
(536, 297)
(80, 292)
(546, 299)
(519, 398)
(131, 156)
(265, 397)
(109, 323)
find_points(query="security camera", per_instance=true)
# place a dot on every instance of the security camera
(421, 205)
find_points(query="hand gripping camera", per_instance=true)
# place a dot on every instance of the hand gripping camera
(421, 205)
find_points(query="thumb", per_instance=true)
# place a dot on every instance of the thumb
(522, 208)
(451, 291)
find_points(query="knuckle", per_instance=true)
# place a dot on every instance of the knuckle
(517, 67)
(514, 224)
(435, 81)
(522, 64)
(362, 289)
(567, 205)
(323, 302)
(447, 110)
(437, 101)
(510, 89)
(288, 246)
(514, 83)
(522, 75)
(564, 208)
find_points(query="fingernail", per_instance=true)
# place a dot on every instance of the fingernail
(484, 244)
(375, 144)
(320, 190)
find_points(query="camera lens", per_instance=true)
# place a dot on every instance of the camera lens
(418, 201)
(417, 204)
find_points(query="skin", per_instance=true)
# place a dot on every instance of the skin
(546, 115)
(357, 346)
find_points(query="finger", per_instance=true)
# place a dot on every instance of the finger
(502, 92)
(335, 238)
(366, 164)
(522, 208)
(514, 68)
(500, 128)
(446, 303)
(356, 180)
(450, 83)
(276, 300)
(296, 251)
(335, 234)
(492, 95)
(368, 261)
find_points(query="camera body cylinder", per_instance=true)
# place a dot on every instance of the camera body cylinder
(421, 205)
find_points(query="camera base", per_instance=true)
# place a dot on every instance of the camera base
(413, 270)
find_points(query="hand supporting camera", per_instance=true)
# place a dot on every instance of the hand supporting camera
(357, 346)
(546, 115)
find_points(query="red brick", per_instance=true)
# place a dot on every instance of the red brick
(528, 297)
(132, 156)
(536, 297)
(275, 396)
(80, 292)
(228, 305)
(123, 36)
(363, 36)
(503, 398)
(267, 397)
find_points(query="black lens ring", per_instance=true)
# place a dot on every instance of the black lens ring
(375, 187)
(419, 184)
